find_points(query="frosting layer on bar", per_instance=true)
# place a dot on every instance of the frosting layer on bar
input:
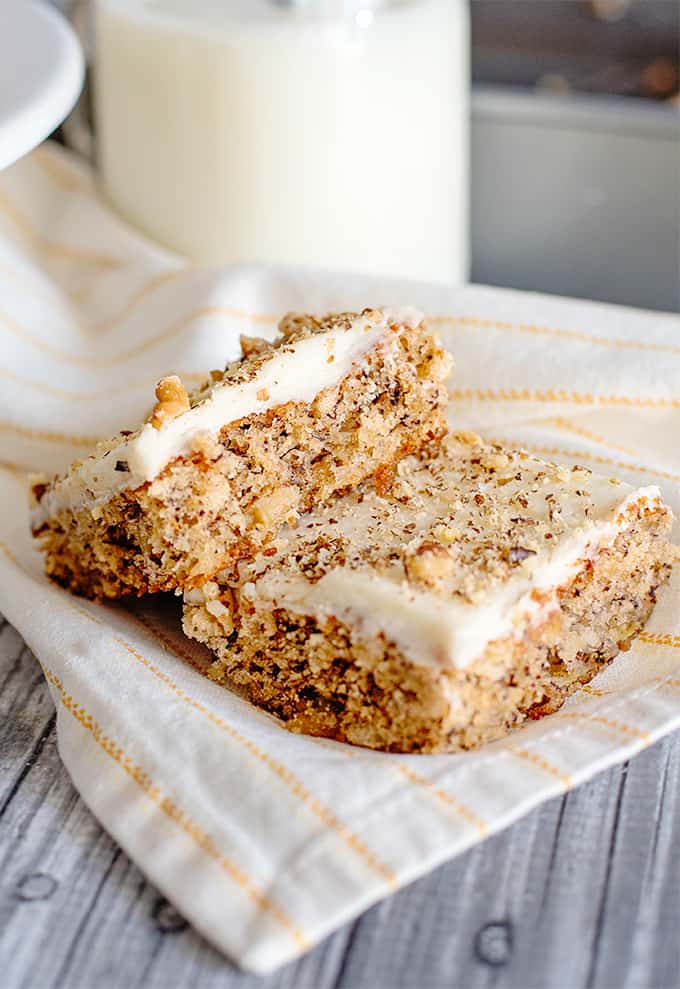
(294, 369)
(465, 550)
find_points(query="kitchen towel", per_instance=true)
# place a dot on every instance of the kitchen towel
(264, 840)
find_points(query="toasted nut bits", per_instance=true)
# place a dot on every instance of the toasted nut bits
(254, 345)
(429, 563)
(172, 400)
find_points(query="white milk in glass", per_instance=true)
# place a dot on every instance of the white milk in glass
(320, 133)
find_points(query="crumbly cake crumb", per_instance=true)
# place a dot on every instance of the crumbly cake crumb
(166, 506)
(478, 591)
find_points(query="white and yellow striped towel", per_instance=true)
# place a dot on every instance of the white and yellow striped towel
(266, 841)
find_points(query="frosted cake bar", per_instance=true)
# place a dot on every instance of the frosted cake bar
(211, 476)
(479, 590)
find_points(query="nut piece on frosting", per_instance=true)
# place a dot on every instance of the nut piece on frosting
(428, 563)
(172, 400)
(252, 346)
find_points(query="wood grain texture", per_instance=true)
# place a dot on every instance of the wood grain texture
(584, 892)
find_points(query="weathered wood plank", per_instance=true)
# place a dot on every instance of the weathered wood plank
(639, 943)
(584, 892)
(576, 894)
(74, 911)
(26, 713)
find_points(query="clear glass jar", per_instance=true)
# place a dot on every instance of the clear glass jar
(317, 132)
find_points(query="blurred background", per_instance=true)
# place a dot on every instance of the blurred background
(575, 148)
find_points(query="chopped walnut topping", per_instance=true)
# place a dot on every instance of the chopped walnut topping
(172, 400)
(449, 525)
(257, 351)
(495, 461)
(296, 326)
(251, 346)
(446, 534)
(429, 563)
(294, 323)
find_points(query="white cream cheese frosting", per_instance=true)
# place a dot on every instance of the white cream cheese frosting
(502, 539)
(294, 372)
(436, 632)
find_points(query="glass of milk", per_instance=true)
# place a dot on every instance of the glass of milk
(331, 133)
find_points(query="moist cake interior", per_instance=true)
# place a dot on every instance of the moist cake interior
(478, 590)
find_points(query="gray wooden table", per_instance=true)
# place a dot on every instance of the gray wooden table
(584, 892)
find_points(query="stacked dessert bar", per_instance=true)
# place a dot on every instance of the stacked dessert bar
(362, 575)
